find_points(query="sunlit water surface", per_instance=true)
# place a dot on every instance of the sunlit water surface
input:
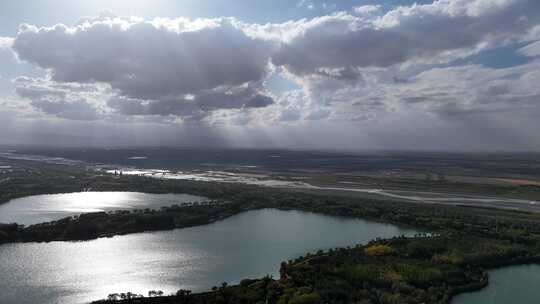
(248, 245)
(510, 285)
(44, 208)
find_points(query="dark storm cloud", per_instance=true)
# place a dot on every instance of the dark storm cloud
(194, 106)
(233, 100)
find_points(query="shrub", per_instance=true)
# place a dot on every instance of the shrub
(378, 250)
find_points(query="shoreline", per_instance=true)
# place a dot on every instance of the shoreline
(484, 238)
(473, 286)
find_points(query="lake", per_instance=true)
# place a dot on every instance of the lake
(516, 285)
(44, 208)
(248, 245)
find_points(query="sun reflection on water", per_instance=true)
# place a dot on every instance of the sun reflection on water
(43, 208)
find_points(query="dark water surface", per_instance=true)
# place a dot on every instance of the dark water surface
(248, 245)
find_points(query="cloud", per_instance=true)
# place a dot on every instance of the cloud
(168, 63)
(6, 42)
(437, 32)
(372, 66)
(461, 91)
(68, 101)
(192, 106)
(75, 110)
(367, 9)
(531, 50)
(290, 114)
(362, 67)
(306, 3)
(449, 93)
(38, 93)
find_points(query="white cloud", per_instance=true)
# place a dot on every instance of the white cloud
(64, 100)
(158, 62)
(365, 66)
(437, 32)
(6, 42)
(461, 91)
(367, 9)
(531, 50)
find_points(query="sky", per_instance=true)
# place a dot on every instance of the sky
(448, 75)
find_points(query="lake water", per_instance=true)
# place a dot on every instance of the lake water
(44, 208)
(515, 285)
(248, 245)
